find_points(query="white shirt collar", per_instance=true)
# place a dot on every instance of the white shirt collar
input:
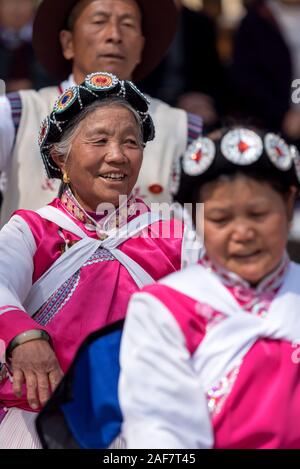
(68, 83)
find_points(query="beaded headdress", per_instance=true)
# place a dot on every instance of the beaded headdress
(241, 148)
(97, 86)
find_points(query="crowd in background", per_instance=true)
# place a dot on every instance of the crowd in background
(18, 65)
(228, 59)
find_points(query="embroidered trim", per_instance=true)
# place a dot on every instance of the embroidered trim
(111, 221)
(101, 255)
(218, 394)
(57, 301)
(254, 300)
(61, 297)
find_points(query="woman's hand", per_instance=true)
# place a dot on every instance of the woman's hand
(35, 364)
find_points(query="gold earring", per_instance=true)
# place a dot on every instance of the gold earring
(66, 178)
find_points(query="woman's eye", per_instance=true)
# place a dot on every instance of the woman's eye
(101, 141)
(219, 221)
(131, 141)
(259, 214)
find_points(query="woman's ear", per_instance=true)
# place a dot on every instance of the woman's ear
(290, 202)
(59, 160)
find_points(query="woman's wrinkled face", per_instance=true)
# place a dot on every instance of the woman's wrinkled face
(246, 225)
(105, 158)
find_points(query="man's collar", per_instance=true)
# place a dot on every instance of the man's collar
(67, 83)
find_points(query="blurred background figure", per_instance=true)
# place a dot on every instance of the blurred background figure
(18, 65)
(266, 60)
(191, 75)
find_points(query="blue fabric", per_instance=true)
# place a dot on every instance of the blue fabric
(94, 415)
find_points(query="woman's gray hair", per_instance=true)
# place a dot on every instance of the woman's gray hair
(63, 147)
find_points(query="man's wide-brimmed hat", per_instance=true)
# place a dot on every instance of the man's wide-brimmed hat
(97, 86)
(159, 22)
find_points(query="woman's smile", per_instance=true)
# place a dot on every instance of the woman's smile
(113, 177)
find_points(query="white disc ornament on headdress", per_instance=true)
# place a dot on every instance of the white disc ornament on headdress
(296, 158)
(278, 151)
(242, 146)
(199, 156)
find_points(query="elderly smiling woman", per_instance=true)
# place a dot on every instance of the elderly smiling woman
(69, 268)
(214, 347)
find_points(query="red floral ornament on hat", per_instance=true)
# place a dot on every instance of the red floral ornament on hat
(242, 146)
(278, 151)
(199, 156)
(44, 131)
(65, 100)
(101, 81)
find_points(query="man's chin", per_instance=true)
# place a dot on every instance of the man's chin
(114, 67)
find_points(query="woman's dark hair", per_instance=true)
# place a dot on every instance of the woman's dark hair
(261, 171)
(273, 180)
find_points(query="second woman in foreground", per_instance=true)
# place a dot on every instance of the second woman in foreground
(209, 355)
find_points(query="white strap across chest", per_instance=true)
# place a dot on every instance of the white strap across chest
(227, 343)
(74, 258)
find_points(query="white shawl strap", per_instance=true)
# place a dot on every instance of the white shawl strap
(203, 286)
(228, 342)
(115, 236)
(73, 259)
(61, 219)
